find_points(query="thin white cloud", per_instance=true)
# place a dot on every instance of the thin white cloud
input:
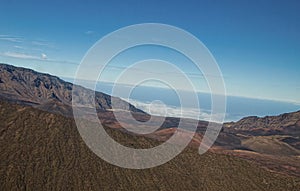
(44, 56)
(36, 42)
(41, 43)
(28, 48)
(89, 32)
(20, 55)
(19, 47)
(11, 38)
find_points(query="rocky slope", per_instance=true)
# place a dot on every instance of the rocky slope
(43, 151)
(288, 123)
(29, 87)
(271, 134)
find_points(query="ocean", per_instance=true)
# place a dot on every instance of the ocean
(165, 102)
(163, 99)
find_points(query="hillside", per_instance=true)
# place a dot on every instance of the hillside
(26, 86)
(275, 135)
(43, 151)
(287, 123)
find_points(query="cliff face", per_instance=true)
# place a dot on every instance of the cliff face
(283, 120)
(26, 86)
(284, 124)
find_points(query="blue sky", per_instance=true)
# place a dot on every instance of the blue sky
(256, 43)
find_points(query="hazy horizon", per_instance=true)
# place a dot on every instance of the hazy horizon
(237, 107)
